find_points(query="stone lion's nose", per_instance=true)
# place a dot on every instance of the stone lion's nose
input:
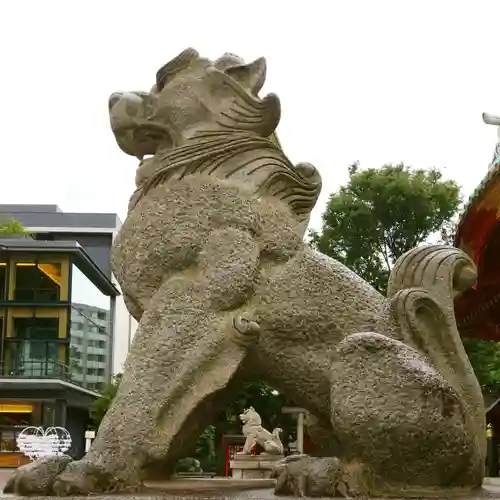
(114, 98)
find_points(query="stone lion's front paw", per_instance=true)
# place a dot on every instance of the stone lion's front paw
(36, 478)
(86, 478)
(246, 330)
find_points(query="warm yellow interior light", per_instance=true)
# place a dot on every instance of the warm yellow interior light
(16, 408)
(50, 270)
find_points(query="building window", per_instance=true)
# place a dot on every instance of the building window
(8, 439)
(48, 414)
(3, 280)
(101, 344)
(33, 351)
(14, 417)
(96, 372)
(76, 326)
(37, 282)
(75, 353)
(100, 358)
(101, 315)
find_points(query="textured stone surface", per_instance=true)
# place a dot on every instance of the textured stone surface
(212, 262)
(36, 478)
(257, 466)
(222, 488)
(315, 477)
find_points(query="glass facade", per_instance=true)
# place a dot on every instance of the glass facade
(54, 322)
(90, 333)
(16, 416)
(3, 280)
(33, 349)
(40, 282)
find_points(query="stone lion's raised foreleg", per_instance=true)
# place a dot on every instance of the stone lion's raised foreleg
(399, 420)
(250, 442)
(184, 353)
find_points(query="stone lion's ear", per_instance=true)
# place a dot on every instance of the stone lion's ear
(250, 76)
(183, 60)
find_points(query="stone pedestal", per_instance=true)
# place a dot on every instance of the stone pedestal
(253, 467)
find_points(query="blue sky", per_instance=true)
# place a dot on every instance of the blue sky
(378, 82)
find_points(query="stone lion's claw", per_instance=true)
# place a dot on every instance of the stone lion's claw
(247, 330)
(36, 478)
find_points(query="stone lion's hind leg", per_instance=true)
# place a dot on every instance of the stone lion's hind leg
(397, 417)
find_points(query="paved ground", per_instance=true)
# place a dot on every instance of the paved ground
(212, 489)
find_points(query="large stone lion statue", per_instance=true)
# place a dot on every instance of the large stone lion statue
(212, 263)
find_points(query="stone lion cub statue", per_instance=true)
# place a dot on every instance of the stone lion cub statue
(256, 434)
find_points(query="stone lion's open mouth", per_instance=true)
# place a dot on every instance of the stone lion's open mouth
(135, 131)
(142, 139)
(149, 138)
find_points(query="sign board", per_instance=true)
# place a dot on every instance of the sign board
(35, 442)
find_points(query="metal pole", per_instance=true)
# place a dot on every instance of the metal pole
(300, 432)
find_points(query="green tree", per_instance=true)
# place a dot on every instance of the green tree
(12, 227)
(267, 402)
(206, 449)
(484, 356)
(102, 404)
(382, 213)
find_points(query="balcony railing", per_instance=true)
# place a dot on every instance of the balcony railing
(36, 294)
(37, 369)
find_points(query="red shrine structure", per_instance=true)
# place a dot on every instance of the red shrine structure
(478, 309)
(478, 234)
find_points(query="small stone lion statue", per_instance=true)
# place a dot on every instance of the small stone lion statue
(256, 434)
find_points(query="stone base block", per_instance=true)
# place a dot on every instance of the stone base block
(253, 467)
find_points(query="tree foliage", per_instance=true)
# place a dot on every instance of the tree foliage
(484, 356)
(12, 227)
(101, 405)
(382, 213)
(266, 401)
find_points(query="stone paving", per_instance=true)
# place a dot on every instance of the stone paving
(220, 489)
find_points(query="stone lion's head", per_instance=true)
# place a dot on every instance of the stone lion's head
(192, 94)
(250, 417)
(198, 107)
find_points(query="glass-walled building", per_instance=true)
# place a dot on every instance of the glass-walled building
(95, 232)
(56, 342)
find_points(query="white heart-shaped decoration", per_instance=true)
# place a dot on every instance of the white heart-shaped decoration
(35, 442)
